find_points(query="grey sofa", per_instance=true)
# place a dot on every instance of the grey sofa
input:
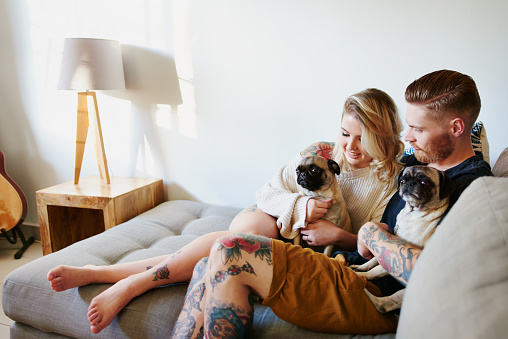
(459, 288)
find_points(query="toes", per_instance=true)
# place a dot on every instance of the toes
(94, 318)
(96, 329)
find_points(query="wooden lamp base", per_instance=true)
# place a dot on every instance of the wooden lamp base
(84, 115)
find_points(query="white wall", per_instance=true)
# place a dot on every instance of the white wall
(221, 93)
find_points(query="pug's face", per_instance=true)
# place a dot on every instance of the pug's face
(421, 185)
(316, 173)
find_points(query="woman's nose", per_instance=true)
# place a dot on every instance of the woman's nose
(352, 145)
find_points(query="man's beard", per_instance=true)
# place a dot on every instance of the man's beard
(436, 151)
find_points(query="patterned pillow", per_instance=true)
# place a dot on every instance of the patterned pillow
(478, 139)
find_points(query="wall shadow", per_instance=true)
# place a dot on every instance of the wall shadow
(151, 79)
(17, 94)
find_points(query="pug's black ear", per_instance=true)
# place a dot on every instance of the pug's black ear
(400, 177)
(446, 185)
(333, 166)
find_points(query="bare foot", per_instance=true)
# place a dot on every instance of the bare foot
(104, 307)
(63, 277)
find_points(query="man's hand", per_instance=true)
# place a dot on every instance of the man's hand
(317, 209)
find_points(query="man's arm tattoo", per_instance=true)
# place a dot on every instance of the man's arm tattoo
(399, 261)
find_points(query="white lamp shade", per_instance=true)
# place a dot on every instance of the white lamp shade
(91, 64)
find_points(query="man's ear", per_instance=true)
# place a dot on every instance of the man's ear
(333, 166)
(458, 127)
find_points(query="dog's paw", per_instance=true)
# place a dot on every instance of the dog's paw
(357, 268)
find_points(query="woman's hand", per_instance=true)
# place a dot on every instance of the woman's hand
(317, 209)
(322, 233)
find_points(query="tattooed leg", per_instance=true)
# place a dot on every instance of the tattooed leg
(228, 320)
(190, 321)
(240, 266)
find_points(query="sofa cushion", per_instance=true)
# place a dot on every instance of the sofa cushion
(39, 312)
(162, 230)
(500, 169)
(459, 288)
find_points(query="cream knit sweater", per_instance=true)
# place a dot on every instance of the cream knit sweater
(366, 198)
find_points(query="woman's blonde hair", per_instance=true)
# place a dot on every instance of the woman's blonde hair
(381, 129)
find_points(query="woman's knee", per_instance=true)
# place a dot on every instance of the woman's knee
(254, 221)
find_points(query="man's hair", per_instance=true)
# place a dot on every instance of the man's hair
(446, 94)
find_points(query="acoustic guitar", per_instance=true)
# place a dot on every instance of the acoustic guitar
(13, 209)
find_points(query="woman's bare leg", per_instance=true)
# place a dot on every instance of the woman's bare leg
(63, 277)
(133, 279)
(173, 268)
(252, 220)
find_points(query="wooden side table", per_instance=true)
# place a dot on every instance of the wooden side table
(69, 213)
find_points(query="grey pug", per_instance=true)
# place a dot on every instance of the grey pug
(426, 192)
(316, 177)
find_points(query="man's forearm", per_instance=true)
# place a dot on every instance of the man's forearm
(396, 255)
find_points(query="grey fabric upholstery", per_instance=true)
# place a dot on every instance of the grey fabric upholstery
(459, 289)
(39, 312)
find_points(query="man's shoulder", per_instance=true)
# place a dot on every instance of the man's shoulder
(465, 173)
(470, 169)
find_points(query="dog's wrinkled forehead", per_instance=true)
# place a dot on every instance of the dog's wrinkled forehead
(422, 175)
(314, 160)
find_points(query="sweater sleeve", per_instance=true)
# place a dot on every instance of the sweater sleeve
(380, 208)
(280, 198)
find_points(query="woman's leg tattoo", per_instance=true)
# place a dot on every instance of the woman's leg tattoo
(190, 321)
(228, 320)
(232, 278)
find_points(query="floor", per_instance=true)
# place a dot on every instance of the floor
(8, 264)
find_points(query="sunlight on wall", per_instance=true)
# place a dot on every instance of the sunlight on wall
(163, 116)
(149, 24)
(183, 60)
(145, 162)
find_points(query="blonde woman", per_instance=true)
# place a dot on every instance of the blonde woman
(368, 149)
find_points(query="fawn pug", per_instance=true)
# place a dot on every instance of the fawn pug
(316, 177)
(426, 192)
